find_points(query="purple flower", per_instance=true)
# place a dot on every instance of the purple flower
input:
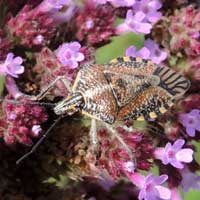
(128, 166)
(124, 3)
(152, 189)
(174, 154)
(69, 54)
(60, 10)
(150, 186)
(150, 51)
(142, 53)
(149, 8)
(36, 130)
(135, 23)
(39, 39)
(52, 5)
(189, 180)
(116, 3)
(191, 121)
(12, 66)
(99, 1)
(140, 19)
(12, 88)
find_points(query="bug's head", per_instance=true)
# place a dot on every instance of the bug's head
(69, 105)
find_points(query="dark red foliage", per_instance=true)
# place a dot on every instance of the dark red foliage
(29, 25)
(18, 121)
(91, 29)
(113, 154)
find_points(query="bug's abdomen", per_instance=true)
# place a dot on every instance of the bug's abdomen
(171, 81)
(149, 104)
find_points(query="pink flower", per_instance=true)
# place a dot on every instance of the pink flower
(69, 54)
(99, 1)
(152, 188)
(149, 7)
(129, 166)
(150, 51)
(60, 10)
(135, 23)
(191, 121)
(12, 88)
(36, 130)
(175, 194)
(116, 3)
(142, 53)
(12, 66)
(141, 17)
(52, 5)
(120, 3)
(175, 154)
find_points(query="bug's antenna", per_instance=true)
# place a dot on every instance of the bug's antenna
(13, 101)
(34, 148)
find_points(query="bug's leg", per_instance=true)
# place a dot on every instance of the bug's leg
(93, 135)
(120, 139)
(49, 87)
(34, 148)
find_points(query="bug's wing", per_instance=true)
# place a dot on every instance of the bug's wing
(170, 80)
(132, 66)
(126, 87)
(149, 104)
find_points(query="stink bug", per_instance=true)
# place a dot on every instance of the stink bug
(125, 88)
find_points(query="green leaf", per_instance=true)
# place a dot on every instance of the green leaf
(192, 195)
(173, 60)
(2, 84)
(3, 13)
(118, 47)
(197, 152)
(50, 180)
(140, 125)
(119, 21)
(63, 182)
(29, 55)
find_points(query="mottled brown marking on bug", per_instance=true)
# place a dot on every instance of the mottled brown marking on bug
(141, 104)
(128, 88)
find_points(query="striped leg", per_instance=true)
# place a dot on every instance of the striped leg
(49, 87)
(93, 136)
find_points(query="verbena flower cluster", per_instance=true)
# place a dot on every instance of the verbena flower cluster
(41, 40)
